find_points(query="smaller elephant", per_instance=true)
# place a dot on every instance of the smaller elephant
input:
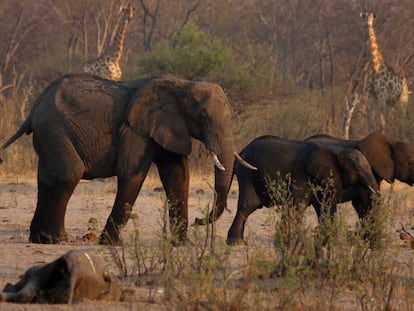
(75, 276)
(388, 157)
(306, 164)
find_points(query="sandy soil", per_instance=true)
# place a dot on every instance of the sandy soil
(94, 199)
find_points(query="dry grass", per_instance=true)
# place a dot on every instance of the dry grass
(206, 275)
(265, 274)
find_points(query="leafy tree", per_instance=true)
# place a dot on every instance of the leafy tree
(192, 54)
(195, 54)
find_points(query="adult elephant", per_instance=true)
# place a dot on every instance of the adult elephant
(85, 127)
(389, 158)
(305, 164)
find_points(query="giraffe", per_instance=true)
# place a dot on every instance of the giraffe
(383, 86)
(107, 64)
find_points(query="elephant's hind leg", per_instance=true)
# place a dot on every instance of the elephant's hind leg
(48, 224)
(43, 196)
(57, 179)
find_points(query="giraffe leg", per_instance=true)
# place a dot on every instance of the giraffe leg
(382, 122)
(382, 103)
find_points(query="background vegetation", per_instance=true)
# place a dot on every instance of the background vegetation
(289, 67)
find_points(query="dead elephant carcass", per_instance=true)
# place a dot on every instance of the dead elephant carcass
(75, 276)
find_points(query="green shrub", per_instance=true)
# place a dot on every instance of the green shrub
(331, 256)
(327, 267)
(194, 54)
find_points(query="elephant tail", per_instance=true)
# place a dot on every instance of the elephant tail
(25, 128)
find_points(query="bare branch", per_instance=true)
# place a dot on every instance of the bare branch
(15, 41)
(58, 10)
(153, 17)
(350, 107)
(189, 12)
(85, 35)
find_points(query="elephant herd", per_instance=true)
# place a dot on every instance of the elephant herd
(356, 167)
(86, 127)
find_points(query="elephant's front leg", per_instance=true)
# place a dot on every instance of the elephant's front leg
(175, 176)
(322, 211)
(128, 189)
(135, 157)
(362, 203)
(247, 203)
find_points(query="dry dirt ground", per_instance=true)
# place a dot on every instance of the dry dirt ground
(94, 199)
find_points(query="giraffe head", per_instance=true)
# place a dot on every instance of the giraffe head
(368, 18)
(128, 12)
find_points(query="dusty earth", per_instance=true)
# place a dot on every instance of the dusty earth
(94, 199)
(18, 197)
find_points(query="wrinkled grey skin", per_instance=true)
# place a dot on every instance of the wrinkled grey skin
(75, 276)
(389, 158)
(85, 127)
(306, 164)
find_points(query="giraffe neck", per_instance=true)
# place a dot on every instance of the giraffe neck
(115, 51)
(376, 54)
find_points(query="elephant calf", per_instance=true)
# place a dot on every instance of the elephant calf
(75, 276)
(306, 164)
(388, 157)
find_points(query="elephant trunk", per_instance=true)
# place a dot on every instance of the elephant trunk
(222, 179)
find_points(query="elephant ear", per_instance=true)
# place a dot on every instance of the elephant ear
(376, 148)
(322, 164)
(155, 111)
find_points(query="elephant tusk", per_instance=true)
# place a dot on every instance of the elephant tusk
(91, 262)
(217, 161)
(373, 190)
(243, 162)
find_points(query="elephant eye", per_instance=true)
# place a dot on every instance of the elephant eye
(197, 111)
(201, 116)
